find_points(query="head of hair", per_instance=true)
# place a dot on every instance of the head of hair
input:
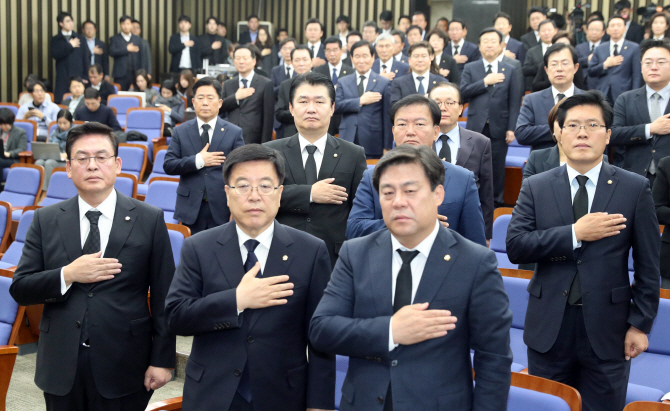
(399, 33)
(301, 47)
(546, 21)
(95, 67)
(124, 18)
(282, 30)
(343, 18)
(288, 40)
(420, 45)
(537, 9)
(409, 154)
(651, 44)
(135, 21)
(558, 19)
(591, 98)
(597, 14)
(221, 23)
(417, 100)
(491, 30)
(386, 15)
(622, 4)
(312, 78)
(386, 36)
(208, 81)
(596, 20)
(404, 16)
(185, 18)
(32, 85)
(444, 19)
(66, 115)
(30, 78)
(188, 75)
(419, 13)
(169, 85)
(252, 16)
(440, 33)
(245, 47)
(502, 15)
(551, 119)
(89, 21)
(77, 79)
(141, 73)
(254, 152)
(446, 84)
(89, 129)
(660, 15)
(268, 43)
(91, 93)
(333, 40)
(557, 48)
(62, 15)
(616, 16)
(7, 116)
(459, 21)
(222, 77)
(314, 21)
(212, 18)
(362, 43)
(414, 27)
(354, 33)
(562, 34)
(370, 23)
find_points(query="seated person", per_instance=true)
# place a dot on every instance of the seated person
(93, 111)
(39, 110)
(97, 81)
(77, 89)
(143, 84)
(26, 97)
(185, 86)
(13, 138)
(172, 106)
(59, 135)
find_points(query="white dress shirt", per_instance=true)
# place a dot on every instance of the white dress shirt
(662, 102)
(418, 264)
(593, 175)
(659, 38)
(343, 38)
(594, 45)
(398, 56)
(316, 45)
(107, 208)
(185, 61)
(388, 64)
(126, 37)
(454, 143)
(666, 397)
(338, 69)
(199, 162)
(91, 46)
(460, 47)
(438, 58)
(494, 66)
(291, 70)
(318, 153)
(568, 93)
(545, 46)
(619, 46)
(262, 249)
(537, 35)
(425, 81)
(365, 82)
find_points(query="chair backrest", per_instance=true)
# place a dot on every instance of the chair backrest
(518, 151)
(5, 224)
(8, 310)
(123, 103)
(465, 112)
(67, 96)
(178, 233)
(502, 211)
(341, 367)
(163, 194)
(60, 188)
(518, 299)
(500, 233)
(134, 159)
(117, 87)
(158, 170)
(659, 338)
(156, 87)
(13, 253)
(12, 106)
(145, 120)
(534, 393)
(126, 184)
(647, 406)
(24, 183)
(52, 126)
(172, 404)
(31, 129)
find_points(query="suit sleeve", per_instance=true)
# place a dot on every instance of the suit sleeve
(362, 220)
(282, 111)
(637, 69)
(530, 66)
(105, 58)
(346, 105)
(486, 188)
(113, 122)
(396, 91)
(515, 94)
(469, 87)
(333, 327)
(529, 169)
(229, 100)
(583, 59)
(471, 224)
(476, 55)
(527, 244)
(117, 48)
(268, 112)
(361, 166)
(387, 127)
(661, 193)
(624, 131)
(596, 68)
(61, 49)
(527, 131)
(295, 198)
(177, 114)
(175, 46)
(175, 163)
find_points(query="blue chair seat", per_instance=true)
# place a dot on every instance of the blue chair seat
(6, 265)
(521, 399)
(519, 349)
(514, 161)
(651, 370)
(504, 262)
(8, 310)
(640, 393)
(518, 367)
(341, 366)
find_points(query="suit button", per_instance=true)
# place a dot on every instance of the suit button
(237, 373)
(653, 151)
(90, 295)
(205, 173)
(565, 293)
(78, 323)
(394, 363)
(250, 340)
(309, 219)
(380, 400)
(579, 262)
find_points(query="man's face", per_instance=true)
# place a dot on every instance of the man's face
(253, 24)
(385, 49)
(561, 69)
(207, 102)
(253, 212)
(351, 40)
(448, 100)
(362, 59)
(595, 31)
(244, 61)
(456, 32)
(137, 29)
(38, 94)
(584, 147)
(95, 176)
(656, 67)
(616, 28)
(414, 36)
(313, 32)
(398, 46)
(409, 206)
(67, 24)
(404, 24)
(535, 19)
(419, 60)
(342, 27)
(302, 61)
(281, 36)
(503, 26)
(386, 24)
(126, 26)
(92, 104)
(76, 88)
(221, 30)
(369, 34)
(286, 51)
(333, 53)
(184, 26)
(419, 20)
(89, 30)
(94, 77)
(490, 46)
(211, 26)
(311, 108)
(443, 25)
(414, 125)
(547, 32)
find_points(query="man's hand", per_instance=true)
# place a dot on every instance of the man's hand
(215, 158)
(613, 61)
(594, 226)
(97, 50)
(132, 48)
(90, 268)
(510, 54)
(255, 292)
(389, 75)
(318, 61)
(33, 113)
(416, 323)
(325, 192)
(661, 125)
(509, 136)
(590, 56)
(7, 154)
(156, 377)
(461, 58)
(443, 220)
(444, 72)
(370, 97)
(243, 93)
(216, 45)
(266, 52)
(189, 43)
(494, 78)
(74, 42)
(636, 342)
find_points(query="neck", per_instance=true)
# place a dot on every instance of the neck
(125, 34)
(90, 38)
(491, 61)
(207, 119)
(583, 167)
(613, 40)
(244, 74)
(413, 241)
(313, 135)
(254, 232)
(37, 103)
(184, 33)
(562, 87)
(94, 199)
(658, 86)
(547, 44)
(420, 74)
(444, 129)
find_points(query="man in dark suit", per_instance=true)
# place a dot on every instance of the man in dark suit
(201, 204)
(578, 223)
(616, 63)
(301, 59)
(532, 129)
(146, 47)
(186, 50)
(285, 70)
(101, 346)
(535, 56)
(492, 88)
(595, 30)
(14, 138)
(460, 210)
(364, 101)
(323, 172)
(213, 46)
(353, 37)
(67, 49)
(313, 34)
(97, 81)
(465, 148)
(642, 117)
(248, 99)
(251, 34)
(419, 80)
(399, 46)
(634, 32)
(408, 304)
(463, 51)
(536, 14)
(232, 292)
(95, 50)
(126, 48)
(514, 49)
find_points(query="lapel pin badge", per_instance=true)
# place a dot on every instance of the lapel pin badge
(335, 155)
(447, 257)
(503, 69)
(127, 218)
(609, 181)
(434, 82)
(374, 80)
(222, 128)
(625, 47)
(285, 258)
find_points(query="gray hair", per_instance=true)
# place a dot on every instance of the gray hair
(386, 36)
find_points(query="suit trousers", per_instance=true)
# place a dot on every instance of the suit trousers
(498, 155)
(204, 221)
(84, 395)
(572, 361)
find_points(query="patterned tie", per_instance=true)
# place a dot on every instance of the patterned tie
(580, 207)
(334, 77)
(654, 113)
(361, 87)
(616, 50)
(92, 244)
(421, 90)
(445, 151)
(403, 284)
(310, 165)
(244, 387)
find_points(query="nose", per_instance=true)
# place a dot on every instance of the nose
(399, 200)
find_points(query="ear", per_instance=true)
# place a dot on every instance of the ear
(290, 107)
(439, 195)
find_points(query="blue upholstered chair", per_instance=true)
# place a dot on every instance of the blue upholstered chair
(13, 254)
(178, 233)
(157, 171)
(122, 104)
(60, 188)
(498, 241)
(534, 393)
(126, 184)
(133, 159)
(23, 187)
(162, 193)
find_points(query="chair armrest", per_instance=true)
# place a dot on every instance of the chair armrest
(26, 157)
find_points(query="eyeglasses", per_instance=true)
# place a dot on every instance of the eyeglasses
(650, 63)
(99, 159)
(449, 104)
(201, 98)
(556, 64)
(246, 189)
(590, 128)
(243, 58)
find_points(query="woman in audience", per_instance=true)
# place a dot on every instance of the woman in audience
(59, 135)
(185, 86)
(172, 105)
(541, 80)
(661, 192)
(547, 158)
(447, 66)
(659, 27)
(264, 44)
(143, 83)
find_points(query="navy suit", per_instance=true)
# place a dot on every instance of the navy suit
(532, 127)
(635, 33)
(583, 52)
(370, 125)
(616, 80)
(461, 206)
(272, 342)
(180, 160)
(469, 49)
(404, 86)
(102, 59)
(278, 75)
(516, 47)
(398, 67)
(353, 318)
(540, 232)
(69, 62)
(321, 53)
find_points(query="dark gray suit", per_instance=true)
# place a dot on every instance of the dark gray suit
(533, 62)
(282, 112)
(17, 141)
(255, 114)
(529, 40)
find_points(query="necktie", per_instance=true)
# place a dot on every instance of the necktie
(593, 47)
(580, 207)
(654, 113)
(361, 87)
(421, 90)
(456, 50)
(313, 55)
(244, 387)
(445, 151)
(92, 245)
(334, 77)
(489, 88)
(288, 72)
(616, 50)
(383, 68)
(310, 165)
(559, 97)
(204, 137)
(251, 257)
(244, 83)
(403, 284)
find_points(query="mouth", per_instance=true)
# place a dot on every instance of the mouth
(412, 142)
(93, 178)
(254, 211)
(582, 145)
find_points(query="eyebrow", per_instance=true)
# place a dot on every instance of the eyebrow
(404, 184)
(104, 150)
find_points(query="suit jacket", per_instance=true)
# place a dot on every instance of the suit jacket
(255, 114)
(469, 49)
(282, 112)
(518, 67)
(67, 101)
(461, 206)
(583, 52)
(245, 38)
(371, 123)
(532, 127)
(517, 47)
(218, 56)
(125, 60)
(343, 161)
(146, 50)
(102, 59)
(630, 117)
(503, 102)
(125, 337)
(69, 61)
(17, 141)
(404, 86)
(541, 232)
(635, 33)
(180, 160)
(321, 53)
(661, 193)
(529, 40)
(176, 47)
(277, 76)
(616, 80)
(353, 318)
(272, 341)
(106, 90)
(399, 68)
(447, 62)
(345, 70)
(532, 64)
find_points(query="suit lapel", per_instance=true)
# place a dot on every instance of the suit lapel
(294, 160)
(331, 156)
(554, 159)
(466, 147)
(218, 136)
(641, 103)
(194, 136)
(432, 80)
(69, 228)
(372, 81)
(563, 195)
(607, 182)
(380, 266)
(437, 267)
(229, 256)
(254, 83)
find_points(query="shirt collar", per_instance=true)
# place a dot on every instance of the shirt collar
(398, 56)
(66, 33)
(320, 143)
(265, 238)
(665, 92)
(620, 43)
(494, 65)
(388, 63)
(592, 174)
(423, 247)
(506, 39)
(459, 44)
(250, 77)
(316, 45)
(500, 57)
(426, 75)
(107, 207)
(596, 44)
(211, 123)
(186, 36)
(568, 93)
(126, 37)
(367, 75)
(659, 38)
(454, 133)
(338, 67)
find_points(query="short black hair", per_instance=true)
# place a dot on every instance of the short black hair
(184, 17)
(288, 40)
(446, 84)
(558, 47)
(212, 18)
(546, 21)
(89, 21)
(312, 21)
(170, 85)
(245, 47)
(444, 19)
(87, 129)
(404, 16)
(419, 12)
(254, 152)
(134, 20)
(7, 116)
(596, 20)
(312, 78)
(592, 98)
(40, 83)
(221, 23)
(285, 30)
(622, 4)
(302, 47)
(417, 100)
(616, 16)
(502, 15)
(343, 18)
(491, 30)
(652, 44)
(386, 15)
(91, 93)
(409, 154)
(253, 16)
(208, 81)
(124, 18)
(420, 45)
(62, 15)
(362, 43)
(598, 14)
(97, 67)
(399, 33)
(333, 40)
(77, 79)
(537, 9)
(354, 33)
(414, 27)
(459, 21)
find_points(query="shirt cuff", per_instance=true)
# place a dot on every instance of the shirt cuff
(575, 244)
(63, 287)
(647, 131)
(199, 162)
(666, 397)
(392, 345)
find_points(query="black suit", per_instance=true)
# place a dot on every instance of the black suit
(447, 62)
(282, 113)
(661, 192)
(69, 61)
(532, 64)
(218, 56)
(125, 62)
(245, 37)
(176, 48)
(404, 86)
(469, 49)
(529, 40)
(345, 70)
(255, 114)
(635, 32)
(106, 90)
(125, 336)
(102, 59)
(343, 161)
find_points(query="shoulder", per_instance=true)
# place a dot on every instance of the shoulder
(380, 79)
(144, 208)
(664, 163)
(537, 155)
(404, 79)
(17, 130)
(477, 137)
(221, 123)
(347, 145)
(631, 44)
(265, 81)
(543, 180)
(458, 172)
(625, 175)
(632, 93)
(278, 144)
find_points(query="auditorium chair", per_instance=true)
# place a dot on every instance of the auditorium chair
(30, 126)
(126, 184)
(515, 287)
(498, 241)
(647, 406)
(122, 104)
(534, 393)
(178, 233)
(341, 367)
(12, 256)
(162, 193)
(12, 106)
(173, 404)
(54, 124)
(157, 171)
(515, 161)
(60, 187)
(5, 225)
(133, 159)
(23, 187)
(148, 121)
